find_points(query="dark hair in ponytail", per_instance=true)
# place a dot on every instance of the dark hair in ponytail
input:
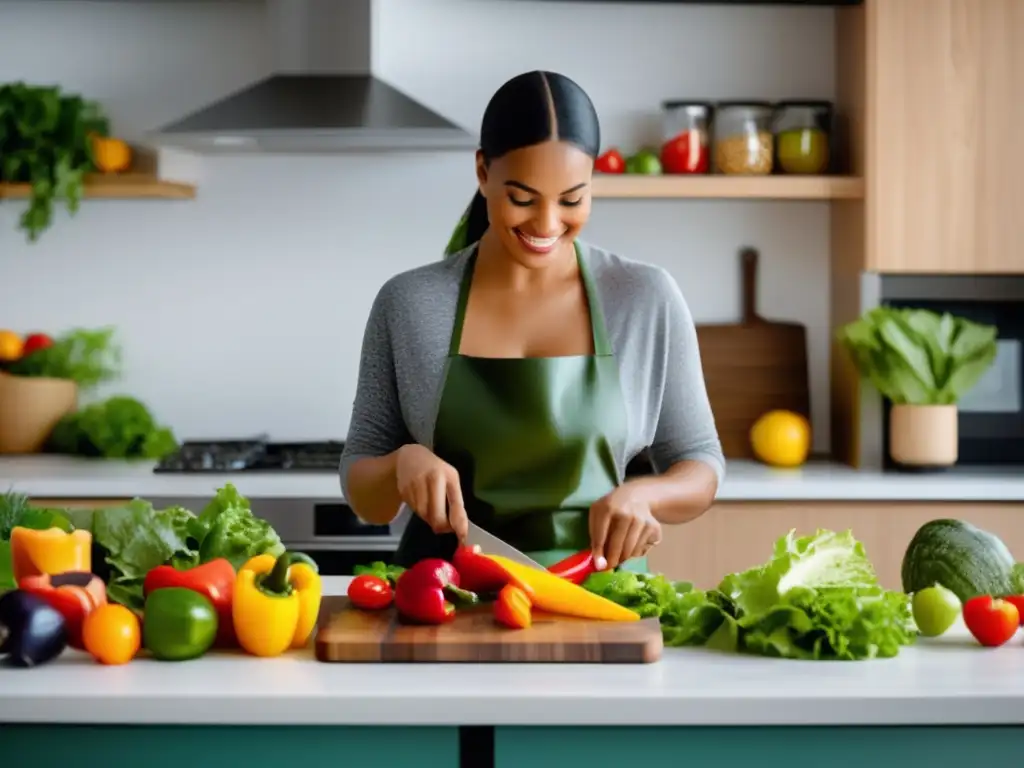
(529, 109)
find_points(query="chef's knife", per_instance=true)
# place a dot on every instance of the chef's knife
(492, 545)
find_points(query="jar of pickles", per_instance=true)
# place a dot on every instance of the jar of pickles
(803, 136)
(743, 138)
(686, 147)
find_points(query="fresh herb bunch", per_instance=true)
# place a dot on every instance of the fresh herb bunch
(87, 357)
(45, 141)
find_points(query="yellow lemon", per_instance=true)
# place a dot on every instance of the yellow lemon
(781, 438)
(10, 346)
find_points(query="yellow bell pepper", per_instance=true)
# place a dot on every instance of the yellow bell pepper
(550, 592)
(276, 603)
(49, 552)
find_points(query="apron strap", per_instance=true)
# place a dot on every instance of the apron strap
(602, 346)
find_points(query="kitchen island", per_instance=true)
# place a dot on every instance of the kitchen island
(950, 698)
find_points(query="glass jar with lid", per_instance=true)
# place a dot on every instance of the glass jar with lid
(743, 138)
(803, 136)
(686, 127)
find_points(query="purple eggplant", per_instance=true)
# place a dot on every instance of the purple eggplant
(31, 632)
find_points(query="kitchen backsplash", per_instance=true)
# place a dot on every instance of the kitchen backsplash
(243, 311)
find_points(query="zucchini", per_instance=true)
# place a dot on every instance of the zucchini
(961, 557)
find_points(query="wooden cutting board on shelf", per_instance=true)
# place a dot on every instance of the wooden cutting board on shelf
(752, 367)
(346, 634)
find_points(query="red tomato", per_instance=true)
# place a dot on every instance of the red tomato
(35, 342)
(1017, 601)
(684, 153)
(370, 592)
(991, 621)
(611, 161)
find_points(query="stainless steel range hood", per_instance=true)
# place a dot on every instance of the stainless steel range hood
(324, 98)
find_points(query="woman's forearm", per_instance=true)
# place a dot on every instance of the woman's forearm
(373, 489)
(685, 492)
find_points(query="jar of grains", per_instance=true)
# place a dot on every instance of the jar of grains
(743, 138)
(802, 136)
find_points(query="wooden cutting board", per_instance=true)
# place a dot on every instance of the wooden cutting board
(752, 367)
(346, 634)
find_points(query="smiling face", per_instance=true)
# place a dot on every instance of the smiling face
(538, 199)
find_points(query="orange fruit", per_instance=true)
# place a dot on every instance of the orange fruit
(11, 346)
(781, 439)
(112, 634)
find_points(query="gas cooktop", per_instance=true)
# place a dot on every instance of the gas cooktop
(253, 455)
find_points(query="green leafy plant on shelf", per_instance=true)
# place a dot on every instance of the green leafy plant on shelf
(919, 357)
(87, 357)
(45, 141)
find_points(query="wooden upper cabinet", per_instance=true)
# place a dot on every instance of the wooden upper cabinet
(945, 136)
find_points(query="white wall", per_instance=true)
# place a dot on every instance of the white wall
(243, 310)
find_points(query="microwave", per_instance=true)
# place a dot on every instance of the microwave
(991, 414)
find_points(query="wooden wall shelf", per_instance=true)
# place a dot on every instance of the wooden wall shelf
(128, 186)
(143, 182)
(729, 187)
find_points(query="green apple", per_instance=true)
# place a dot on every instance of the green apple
(935, 610)
(645, 163)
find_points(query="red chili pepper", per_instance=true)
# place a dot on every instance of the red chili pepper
(427, 592)
(513, 608)
(214, 580)
(576, 567)
(74, 595)
(478, 573)
(371, 593)
(991, 621)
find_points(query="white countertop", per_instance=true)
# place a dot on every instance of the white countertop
(947, 681)
(62, 477)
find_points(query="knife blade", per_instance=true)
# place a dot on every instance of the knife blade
(491, 545)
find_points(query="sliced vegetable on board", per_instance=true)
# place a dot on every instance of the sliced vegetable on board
(992, 621)
(554, 594)
(513, 608)
(430, 593)
(575, 568)
(478, 573)
(276, 604)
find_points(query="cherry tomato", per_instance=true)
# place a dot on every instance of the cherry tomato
(111, 634)
(370, 592)
(611, 161)
(992, 621)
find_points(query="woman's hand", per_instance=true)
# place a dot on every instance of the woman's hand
(431, 488)
(622, 527)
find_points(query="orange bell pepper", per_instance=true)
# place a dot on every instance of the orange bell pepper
(49, 552)
(550, 592)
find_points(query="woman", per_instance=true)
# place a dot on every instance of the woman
(511, 382)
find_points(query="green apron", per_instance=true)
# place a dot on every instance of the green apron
(533, 440)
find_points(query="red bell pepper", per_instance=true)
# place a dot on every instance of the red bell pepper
(992, 621)
(576, 567)
(214, 580)
(478, 573)
(74, 595)
(513, 608)
(427, 592)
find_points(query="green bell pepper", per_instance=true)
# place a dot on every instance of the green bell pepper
(178, 624)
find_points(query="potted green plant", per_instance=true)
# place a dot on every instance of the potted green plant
(923, 363)
(46, 142)
(40, 388)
